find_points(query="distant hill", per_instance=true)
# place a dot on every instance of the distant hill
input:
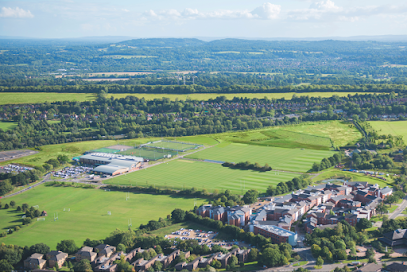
(163, 42)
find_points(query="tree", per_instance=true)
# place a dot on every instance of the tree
(5, 266)
(6, 206)
(121, 247)
(123, 265)
(363, 224)
(253, 255)
(19, 209)
(178, 215)
(67, 246)
(233, 261)
(250, 196)
(25, 207)
(381, 208)
(157, 266)
(83, 266)
(315, 249)
(12, 203)
(319, 261)
(271, 257)
(39, 248)
(216, 264)
(391, 199)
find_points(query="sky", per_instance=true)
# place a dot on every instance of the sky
(202, 18)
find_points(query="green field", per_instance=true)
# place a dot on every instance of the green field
(7, 125)
(22, 98)
(172, 145)
(397, 128)
(180, 174)
(339, 132)
(298, 160)
(310, 135)
(88, 213)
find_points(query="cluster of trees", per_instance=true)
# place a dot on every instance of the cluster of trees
(11, 180)
(331, 244)
(367, 160)
(289, 186)
(327, 162)
(247, 166)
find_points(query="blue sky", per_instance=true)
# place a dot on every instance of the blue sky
(209, 18)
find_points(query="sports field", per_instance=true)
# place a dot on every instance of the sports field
(180, 174)
(172, 145)
(298, 160)
(87, 217)
(7, 125)
(21, 98)
(398, 128)
(151, 154)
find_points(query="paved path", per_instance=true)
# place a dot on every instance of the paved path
(28, 187)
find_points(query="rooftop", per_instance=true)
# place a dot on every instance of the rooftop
(276, 230)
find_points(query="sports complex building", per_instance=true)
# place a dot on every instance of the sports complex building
(120, 159)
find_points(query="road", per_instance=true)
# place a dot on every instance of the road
(29, 187)
(399, 209)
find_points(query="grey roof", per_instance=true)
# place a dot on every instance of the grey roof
(395, 235)
(386, 190)
(111, 158)
(109, 169)
(396, 267)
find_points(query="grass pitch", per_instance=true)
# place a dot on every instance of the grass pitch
(24, 98)
(87, 217)
(298, 160)
(180, 174)
(398, 128)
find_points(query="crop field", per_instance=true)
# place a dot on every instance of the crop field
(181, 173)
(298, 160)
(7, 125)
(398, 128)
(22, 98)
(87, 217)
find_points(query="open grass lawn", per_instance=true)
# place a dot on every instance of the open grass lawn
(398, 128)
(180, 174)
(339, 132)
(22, 98)
(335, 173)
(310, 135)
(298, 160)
(88, 213)
(170, 229)
(7, 125)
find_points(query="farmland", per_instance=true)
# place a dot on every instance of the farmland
(298, 160)
(32, 98)
(87, 217)
(398, 128)
(22, 98)
(180, 174)
(7, 125)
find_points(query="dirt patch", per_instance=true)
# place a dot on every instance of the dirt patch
(15, 154)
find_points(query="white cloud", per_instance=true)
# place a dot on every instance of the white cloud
(15, 13)
(327, 10)
(267, 11)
